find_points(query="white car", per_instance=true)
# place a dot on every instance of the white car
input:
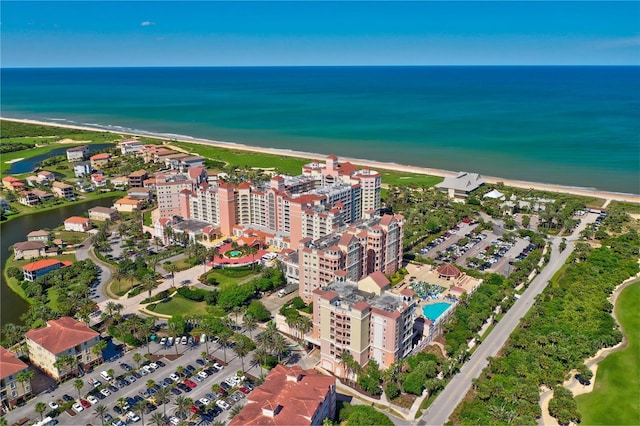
(154, 365)
(174, 420)
(132, 416)
(220, 403)
(92, 399)
(183, 341)
(205, 401)
(203, 374)
(77, 407)
(53, 405)
(163, 341)
(170, 341)
(143, 371)
(217, 366)
(230, 382)
(105, 392)
(146, 368)
(174, 377)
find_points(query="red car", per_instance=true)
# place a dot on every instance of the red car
(194, 409)
(190, 383)
(85, 403)
(244, 390)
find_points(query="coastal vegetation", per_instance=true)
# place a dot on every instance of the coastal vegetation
(570, 322)
(615, 384)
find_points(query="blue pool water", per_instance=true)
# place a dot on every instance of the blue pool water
(235, 253)
(434, 310)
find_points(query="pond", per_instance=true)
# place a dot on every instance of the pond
(30, 164)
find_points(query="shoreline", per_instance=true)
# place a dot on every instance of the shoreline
(378, 165)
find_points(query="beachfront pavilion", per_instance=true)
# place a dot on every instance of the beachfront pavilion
(448, 272)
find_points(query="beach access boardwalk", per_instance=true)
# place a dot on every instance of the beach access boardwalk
(444, 405)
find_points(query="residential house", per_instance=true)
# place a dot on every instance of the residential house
(28, 198)
(103, 213)
(137, 178)
(41, 235)
(36, 180)
(99, 161)
(127, 205)
(31, 271)
(290, 396)
(84, 186)
(42, 195)
(143, 194)
(12, 184)
(12, 389)
(62, 190)
(130, 146)
(77, 224)
(82, 169)
(77, 153)
(120, 182)
(64, 336)
(29, 250)
(45, 174)
(98, 180)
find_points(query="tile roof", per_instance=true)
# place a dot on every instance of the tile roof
(100, 157)
(40, 264)
(40, 233)
(61, 334)
(29, 245)
(289, 396)
(448, 270)
(76, 219)
(9, 363)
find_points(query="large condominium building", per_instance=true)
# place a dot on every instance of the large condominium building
(369, 245)
(363, 318)
(310, 205)
(11, 389)
(290, 396)
(168, 189)
(62, 336)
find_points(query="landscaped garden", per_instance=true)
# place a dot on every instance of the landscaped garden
(179, 305)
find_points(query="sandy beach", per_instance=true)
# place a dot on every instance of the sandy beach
(607, 195)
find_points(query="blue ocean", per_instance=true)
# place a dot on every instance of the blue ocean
(574, 126)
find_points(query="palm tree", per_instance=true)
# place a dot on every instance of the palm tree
(243, 345)
(100, 411)
(122, 402)
(279, 345)
(139, 408)
(158, 419)
(40, 408)
(98, 348)
(152, 262)
(172, 269)
(250, 324)
(208, 329)
(64, 363)
(180, 370)
(146, 327)
(260, 356)
(78, 384)
(253, 251)
(174, 328)
(137, 358)
(162, 397)
(235, 410)
(182, 405)
(346, 361)
(212, 253)
(118, 275)
(305, 325)
(225, 338)
(149, 283)
(12, 333)
(25, 376)
(237, 310)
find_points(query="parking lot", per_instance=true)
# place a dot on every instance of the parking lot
(489, 251)
(188, 358)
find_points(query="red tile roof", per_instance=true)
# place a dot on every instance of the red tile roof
(100, 157)
(40, 264)
(76, 219)
(9, 363)
(380, 279)
(61, 334)
(291, 394)
(448, 270)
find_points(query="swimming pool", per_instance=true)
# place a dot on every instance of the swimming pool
(434, 310)
(235, 253)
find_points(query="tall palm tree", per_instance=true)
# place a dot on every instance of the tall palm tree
(279, 345)
(152, 262)
(78, 384)
(346, 361)
(98, 348)
(174, 328)
(100, 411)
(225, 339)
(305, 325)
(149, 283)
(121, 402)
(243, 345)
(150, 383)
(250, 324)
(118, 275)
(162, 397)
(139, 408)
(138, 359)
(172, 269)
(182, 405)
(40, 408)
(208, 329)
(145, 329)
(25, 376)
(260, 356)
(158, 419)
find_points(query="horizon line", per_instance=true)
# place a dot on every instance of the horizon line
(320, 66)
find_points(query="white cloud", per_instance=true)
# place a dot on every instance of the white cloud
(146, 23)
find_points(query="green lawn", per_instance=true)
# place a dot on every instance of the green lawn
(240, 276)
(121, 287)
(71, 237)
(178, 305)
(615, 399)
(14, 284)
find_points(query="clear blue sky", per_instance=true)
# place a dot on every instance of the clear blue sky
(164, 33)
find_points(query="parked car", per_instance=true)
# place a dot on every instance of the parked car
(77, 407)
(220, 403)
(132, 416)
(85, 403)
(190, 383)
(126, 367)
(53, 405)
(92, 399)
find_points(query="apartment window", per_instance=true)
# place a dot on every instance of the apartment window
(14, 393)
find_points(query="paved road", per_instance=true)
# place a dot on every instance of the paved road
(82, 253)
(452, 395)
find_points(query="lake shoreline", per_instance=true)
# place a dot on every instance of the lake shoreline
(589, 192)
